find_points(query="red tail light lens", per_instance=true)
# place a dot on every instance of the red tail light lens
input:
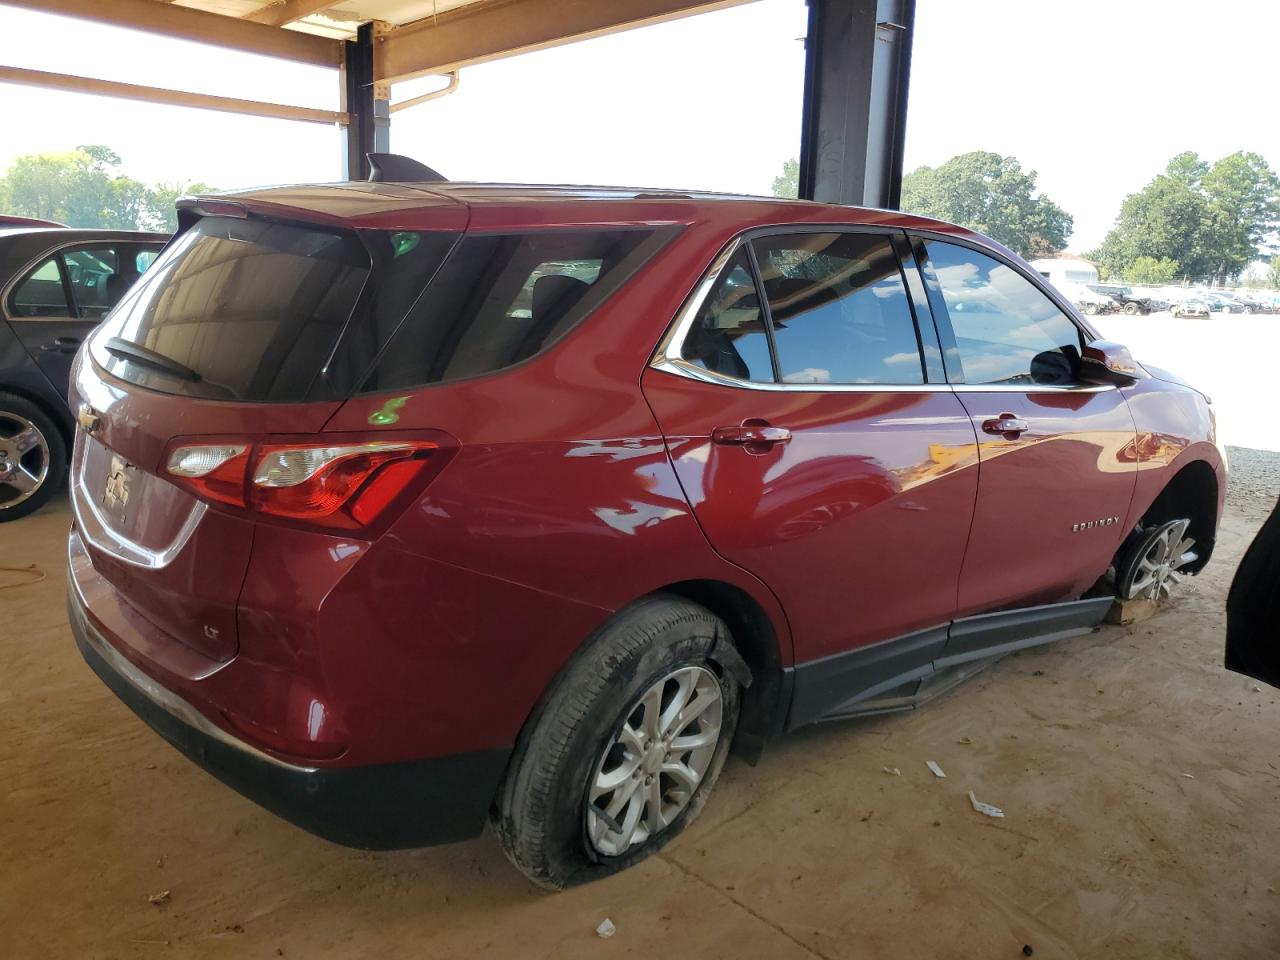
(313, 483)
(342, 485)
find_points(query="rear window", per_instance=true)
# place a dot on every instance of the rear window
(254, 308)
(502, 298)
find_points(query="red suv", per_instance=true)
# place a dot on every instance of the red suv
(403, 506)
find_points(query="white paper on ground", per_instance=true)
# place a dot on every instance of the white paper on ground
(989, 809)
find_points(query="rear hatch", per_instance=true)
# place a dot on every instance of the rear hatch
(254, 323)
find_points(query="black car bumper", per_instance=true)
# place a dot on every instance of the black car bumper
(382, 807)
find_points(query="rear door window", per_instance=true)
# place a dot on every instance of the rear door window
(839, 309)
(729, 336)
(41, 293)
(97, 282)
(502, 298)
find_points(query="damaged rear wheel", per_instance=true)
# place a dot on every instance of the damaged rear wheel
(1150, 565)
(624, 750)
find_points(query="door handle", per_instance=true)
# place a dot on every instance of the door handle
(756, 433)
(1006, 425)
(62, 345)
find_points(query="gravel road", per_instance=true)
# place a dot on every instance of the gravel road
(1254, 475)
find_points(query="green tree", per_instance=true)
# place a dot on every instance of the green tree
(993, 195)
(1244, 205)
(1209, 219)
(1273, 273)
(1188, 168)
(1151, 270)
(788, 184)
(160, 202)
(84, 188)
(1163, 221)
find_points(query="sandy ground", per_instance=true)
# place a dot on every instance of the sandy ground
(1140, 783)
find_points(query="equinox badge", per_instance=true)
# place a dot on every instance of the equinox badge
(1090, 524)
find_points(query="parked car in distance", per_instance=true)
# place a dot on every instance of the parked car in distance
(55, 286)
(1241, 303)
(13, 220)
(467, 501)
(1190, 307)
(1125, 299)
(1088, 300)
(1220, 302)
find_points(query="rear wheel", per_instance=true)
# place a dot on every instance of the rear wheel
(1150, 565)
(624, 751)
(33, 457)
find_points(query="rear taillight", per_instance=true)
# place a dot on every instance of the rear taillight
(343, 486)
(214, 471)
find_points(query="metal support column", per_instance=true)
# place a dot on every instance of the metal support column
(368, 129)
(858, 61)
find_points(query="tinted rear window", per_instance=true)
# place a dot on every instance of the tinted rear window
(256, 307)
(500, 299)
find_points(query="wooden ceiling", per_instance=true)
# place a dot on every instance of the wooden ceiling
(414, 37)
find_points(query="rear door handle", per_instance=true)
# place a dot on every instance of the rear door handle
(62, 345)
(751, 433)
(1006, 425)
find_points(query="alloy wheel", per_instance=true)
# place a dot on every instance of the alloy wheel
(1164, 552)
(656, 760)
(24, 459)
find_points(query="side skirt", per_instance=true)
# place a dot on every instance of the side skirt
(902, 673)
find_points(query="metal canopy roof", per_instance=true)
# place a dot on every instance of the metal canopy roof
(414, 37)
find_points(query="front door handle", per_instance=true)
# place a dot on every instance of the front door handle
(62, 345)
(754, 434)
(1006, 425)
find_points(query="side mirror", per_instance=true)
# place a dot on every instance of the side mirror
(1105, 362)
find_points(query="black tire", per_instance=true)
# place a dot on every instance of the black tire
(1132, 309)
(54, 454)
(542, 807)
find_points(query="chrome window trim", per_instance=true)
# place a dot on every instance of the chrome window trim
(667, 357)
(691, 371)
(1031, 388)
(669, 347)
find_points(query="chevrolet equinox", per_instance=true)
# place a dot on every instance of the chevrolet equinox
(401, 507)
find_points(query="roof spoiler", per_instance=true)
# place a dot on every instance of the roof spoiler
(393, 168)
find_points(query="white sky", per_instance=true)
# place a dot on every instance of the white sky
(1095, 95)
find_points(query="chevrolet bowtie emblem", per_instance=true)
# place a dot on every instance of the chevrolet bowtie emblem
(88, 418)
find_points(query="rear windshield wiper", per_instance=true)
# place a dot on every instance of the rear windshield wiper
(148, 358)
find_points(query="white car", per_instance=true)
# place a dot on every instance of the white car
(1191, 307)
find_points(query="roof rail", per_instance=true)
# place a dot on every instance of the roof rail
(393, 168)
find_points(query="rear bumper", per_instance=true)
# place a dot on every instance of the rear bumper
(378, 807)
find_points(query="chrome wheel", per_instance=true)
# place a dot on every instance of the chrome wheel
(655, 762)
(24, 459)
(1164, 551)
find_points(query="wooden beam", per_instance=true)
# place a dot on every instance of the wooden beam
(492, 29)
(188, 24)
(280, 12)
(176, 98)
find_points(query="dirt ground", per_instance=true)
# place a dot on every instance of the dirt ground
(1140, 783)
